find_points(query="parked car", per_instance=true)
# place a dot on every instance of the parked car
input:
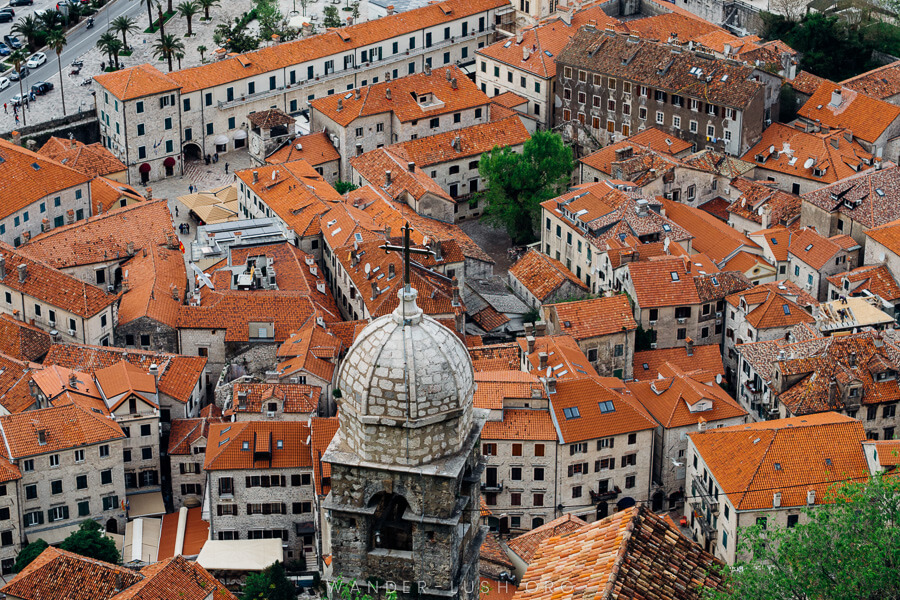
(36, 60)
(4, 83)
(16, 75)
(4, 50)
(8, 10)
(6, 15)
(21, 2)
(41, 87)
(16, 100)
(12, 41)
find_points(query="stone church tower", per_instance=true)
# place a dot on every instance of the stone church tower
(406, 463)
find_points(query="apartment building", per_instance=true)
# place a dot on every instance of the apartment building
(537, 278)
(10, 538)
(610, 85)
(399, 110)
(791, 464)
(812, 258)
(207, 106)
(867, 281)
(38, 193)
(187, 452)
(760, 206)
(260, 485)
(273, 401)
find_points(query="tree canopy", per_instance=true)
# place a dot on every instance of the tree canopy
(848, 549)
(88, 540)
(270, 584)
(29, 553)
(516, 184)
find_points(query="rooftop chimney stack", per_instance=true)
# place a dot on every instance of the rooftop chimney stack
(836, 97)
(519, 36)
(340, 105)
(551, 385)
(356, 95)
(23, 273)
(387, 93)
(374, 290)
(391, 271)
(689, 346)
(455, 284)
(542, 360)
(255, 176)
(454, 84)
(2, 267)
(387, 181)
(529, 341)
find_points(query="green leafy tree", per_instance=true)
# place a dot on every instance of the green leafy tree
(188, 9)
(167, 46)
(331, 17)
(30, 28)
(271, 584)
(355, 11)
(29, 553)
(88, 540)
(206, 5)
(56, 40)
(342, 187)
(236, 38)
(848, 549)
(123, 25)
(271, 21)
(18, 58)
(516, 184)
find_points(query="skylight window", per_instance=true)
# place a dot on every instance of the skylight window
(245, 445)
(774, 242)
(777, 466)
(666, 227)
(786, 308)
(879, 191)
(571, 413)
(358, 237)
(507, 44)
(646, 366)
(35, 166)
(674, 276)
(715, 281)
(607, 406)
(809, 247)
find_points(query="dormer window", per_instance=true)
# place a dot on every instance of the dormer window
(42, 437)
(854, 392)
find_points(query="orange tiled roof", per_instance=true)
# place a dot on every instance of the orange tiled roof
(136, 82)
(509, 99)
(806, 83)
(295, 397)
(330, 42)
(747, 263)
(782, 208)
(585, 319)
(634, 553)
(323, 431)
(15, 393)
(543, 275)
(544, 42)
(489, 319)
(777, 238)
(196, 532)
(711, 236)
(184, 432)
(717, 163)
(466, 142)
(108, 194)
(400, 97)
(665, 27)
(26, 177)
(887, 452)
(496, 386)
(90, 159)
(876, 279)
(495, 357)
(882, 82)
(65, 427)
(374, 165)
(564, 357)
(585, 394)
(824, 157)
(632, 161)
(526, 545)
(315, 148)
(176, 575)
(521, 424)
(126, 378)
(22, 341)
(347, 331)
(769, 306)
(791, 456)
(812, 248)
(656, 286)
(868, 197)
(868, 118)
(225, 445)
(656, 139)
(707, 358)
(178, 374)
(492, 552)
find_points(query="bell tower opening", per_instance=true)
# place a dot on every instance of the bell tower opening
(389, 530)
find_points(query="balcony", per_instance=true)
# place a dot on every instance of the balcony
(605, 496)
(708, 500)
(495, 486)
(705, 528)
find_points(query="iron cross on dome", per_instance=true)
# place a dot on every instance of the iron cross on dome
(406, 251)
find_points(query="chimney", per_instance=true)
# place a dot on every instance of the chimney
(832, 390)
(542, 360)
(526, 52)
(727, 50)
(387, 181)
(427, 69)
(340, 105)
(387, 231)
(390, 9)
(529, 341)
(454, 84)
(519, 36)
(836, 97)
(455, 287)
(374, 290)
(73, 380)
(852, 358)
(689, 346)
(354, 259)
(551, 385)
(2, 267)
(411, 166)
(436, 248)
(42, 437)
(448, 74)
(154, 370)
(129, 248)
(242, 399)
(255, 176)
(811, 497)
(387, 93)
(356, 96)
(23, 273)
(776, 500)
(391, 271)
(174, 292)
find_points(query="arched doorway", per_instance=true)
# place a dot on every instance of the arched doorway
(169, 164)
(657, 501)
(145, 173)
(112, 526)
(602, 510)
(192, 151)
(389, 530)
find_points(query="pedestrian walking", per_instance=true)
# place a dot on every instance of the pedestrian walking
(5, 110)
(216, 157)
(176, 211)
(190, 191)
(17, 118)
(226, 168)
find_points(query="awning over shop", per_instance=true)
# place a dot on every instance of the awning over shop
(141, 542)
(240, 134)
(169, 162)
(145, 505)
(221, 140)
(52, 536)
(144, 168)
(240, 555)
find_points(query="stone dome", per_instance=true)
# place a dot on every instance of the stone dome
(406, 384)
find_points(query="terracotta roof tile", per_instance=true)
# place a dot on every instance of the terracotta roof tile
(869, 197)
(509, 99)
(374, 165)
(543, 275)
(782, 208)
(521, 424)
(89, 159)
(315, 148)
(876, 279)
(662, 28)
(22, 341)
(466, 142)
(632, 161)
(323, 431)
(15, 394)
(882, 82)
(526, 545)
(806, 83)
(176, 576)
(769, 307)
(717, 207)
(402, 100)
(711, 236)
(108, 194)
(492, 553)
(813, 249)
(656, 139)
(489, 319)
(707, 358)
(631, 554)
(823, 157)
(791, 456)
(225, 445)
(867, 117)
(564, 357)
(294, 397)
(717, 163)
(178, 374)
(585, 319)
(494, 387)
(196, 532)
(136, 82)
(716, 286)
(585, 394)
(887, 452)
(184, 432)
(496, 357)
(656, 286)
(65, 427)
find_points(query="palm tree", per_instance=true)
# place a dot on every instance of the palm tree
(206, 5)
(166, 48)
(201, 49)
(107, 42)
(188, 9)
(49, 20)
(178, 57)
(56, 40)
(28, 27)
(123, 25)
(18, 58)
(150, 13)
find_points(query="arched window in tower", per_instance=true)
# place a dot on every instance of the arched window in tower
(389, 530)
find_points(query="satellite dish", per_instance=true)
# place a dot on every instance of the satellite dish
(719, 379)
(368, 268)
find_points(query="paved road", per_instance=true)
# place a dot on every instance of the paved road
(81, 40)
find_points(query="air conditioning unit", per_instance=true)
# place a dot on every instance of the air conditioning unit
(270, 413)
(52, 323)
(72, 332)
(110, 289)
(653, 345)
(718, 315)
(682, 321)
(652, 323)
